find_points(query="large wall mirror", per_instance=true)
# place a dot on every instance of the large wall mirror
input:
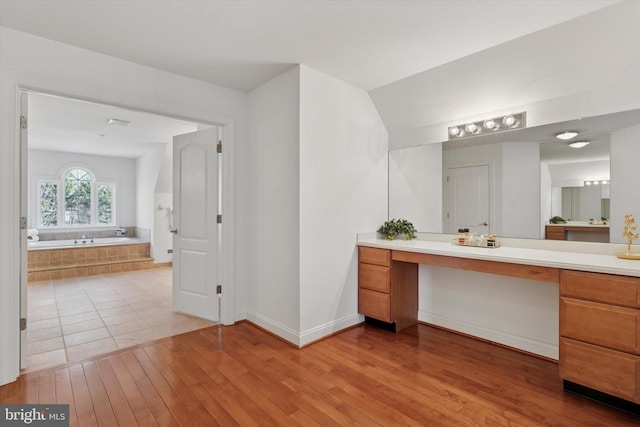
(513, 183)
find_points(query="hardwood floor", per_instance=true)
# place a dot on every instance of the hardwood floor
(242, 376)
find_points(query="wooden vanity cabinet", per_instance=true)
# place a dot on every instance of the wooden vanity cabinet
(387, 289)
(600, 332)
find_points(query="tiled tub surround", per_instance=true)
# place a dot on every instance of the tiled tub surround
(46, 234)
(79, 260)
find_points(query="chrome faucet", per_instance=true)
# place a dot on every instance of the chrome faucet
(121, 232)
(84, 239)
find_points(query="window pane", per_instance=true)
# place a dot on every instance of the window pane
(48, 204)
(77, 197)
(105, 204)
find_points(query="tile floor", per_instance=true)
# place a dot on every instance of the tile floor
(74, 319)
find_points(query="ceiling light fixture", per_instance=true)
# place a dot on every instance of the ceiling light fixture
(578, 144)
(487, 126)
(567, 134)
(596, 182)
(119, 122)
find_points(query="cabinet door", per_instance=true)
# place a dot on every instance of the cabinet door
(609, 371)
(374, 304)
(602, 324)
(374, 256)
(374, 277)
(600, 287)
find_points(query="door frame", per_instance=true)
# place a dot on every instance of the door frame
(493, 214)
(10, 303)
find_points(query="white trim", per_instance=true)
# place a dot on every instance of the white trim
(11, 237)
(300, 339)
(515, 341)
(10, 211)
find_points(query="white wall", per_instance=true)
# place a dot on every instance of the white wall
(625, 158)
(519, 313)
(147, 171)
(162, 219)
(583, 67)
(318, 161)
(521, 189)
(161, 237)
(550, 198)
(274, 210)
(343, 191)
(32, 62)
(51, 164)
(413, 195)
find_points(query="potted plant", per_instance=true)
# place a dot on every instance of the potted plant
(557, 220)
(398, 227)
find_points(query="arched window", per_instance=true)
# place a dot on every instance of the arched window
(81, 200)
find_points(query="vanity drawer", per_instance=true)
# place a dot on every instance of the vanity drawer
(374, 277)
(602, 369)
(607, 325)
(374, 304)
(606, 288)
(374, 256)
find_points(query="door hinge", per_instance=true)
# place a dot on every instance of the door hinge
(219, 147)
(219, 219)
(23, 122)
(447, 179)
(23, 222)
(219, 289)
(23, 323)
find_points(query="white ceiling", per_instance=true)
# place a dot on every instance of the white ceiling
(242, 44)
(62, 124)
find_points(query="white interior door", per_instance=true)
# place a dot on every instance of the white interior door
(196, 229)
(469, 199)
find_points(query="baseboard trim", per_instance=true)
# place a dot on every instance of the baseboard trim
(524, 344)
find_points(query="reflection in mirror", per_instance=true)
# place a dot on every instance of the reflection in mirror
(532, 177)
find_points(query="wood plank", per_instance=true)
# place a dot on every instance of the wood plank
(64, 393)
(544, 274)
(117, 398)
(363, 376)
(84, 407)
(137, 403)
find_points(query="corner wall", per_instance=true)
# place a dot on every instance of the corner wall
(343, 191)
(274, 215)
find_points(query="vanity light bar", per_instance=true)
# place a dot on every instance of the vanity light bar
(487, 126)
(596, 182)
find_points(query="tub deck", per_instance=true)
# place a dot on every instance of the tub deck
(68, 262)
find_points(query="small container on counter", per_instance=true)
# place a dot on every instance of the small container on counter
(463, 234)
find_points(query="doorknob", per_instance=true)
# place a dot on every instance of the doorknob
(485, 223)
(173, 231)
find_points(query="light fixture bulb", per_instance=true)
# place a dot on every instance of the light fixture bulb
(455, 131)
(587, 183)
(568, 134)
(604, 182)
(579, 144)
(489, 124)
(470, 127)
(509, 120)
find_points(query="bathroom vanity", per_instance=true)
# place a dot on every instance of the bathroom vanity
(582, 232)
(599, 303)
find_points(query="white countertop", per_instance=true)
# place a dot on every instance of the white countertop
(583, 261)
